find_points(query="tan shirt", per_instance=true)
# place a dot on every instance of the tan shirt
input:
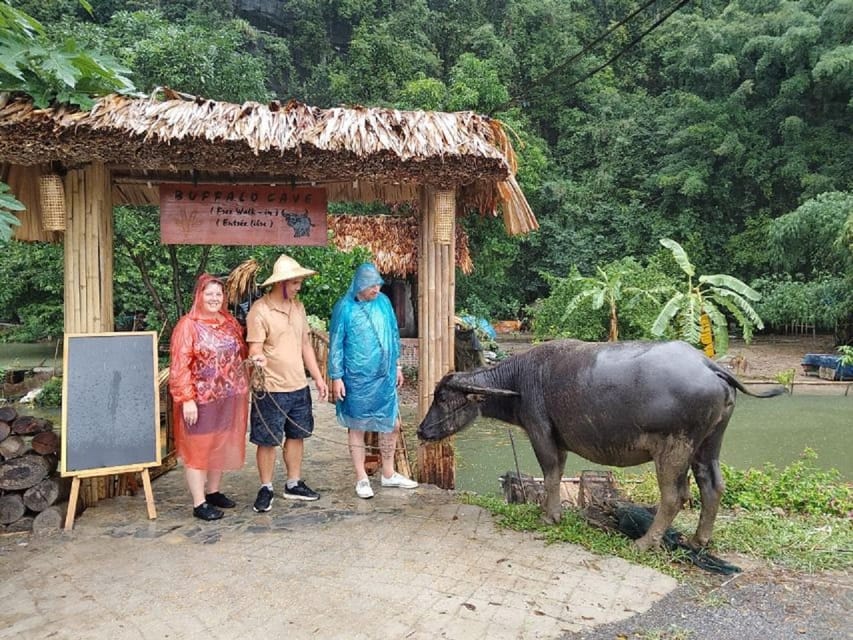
(281, 330)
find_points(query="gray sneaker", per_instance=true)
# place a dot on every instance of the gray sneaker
(300, 492)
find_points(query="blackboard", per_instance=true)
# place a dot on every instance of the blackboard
(110, 403)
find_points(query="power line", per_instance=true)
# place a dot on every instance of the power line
(539, 81)
(635, 41)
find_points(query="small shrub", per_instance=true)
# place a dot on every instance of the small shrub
(785, 377)
(799, 488)
(51, 394)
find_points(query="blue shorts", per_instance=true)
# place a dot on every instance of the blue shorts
(277, 416)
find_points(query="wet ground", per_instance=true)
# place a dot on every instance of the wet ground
(406, 564)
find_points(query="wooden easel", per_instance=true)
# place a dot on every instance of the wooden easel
(75, 489)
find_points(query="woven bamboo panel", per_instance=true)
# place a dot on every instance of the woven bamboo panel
(52, 199)
(445, 216)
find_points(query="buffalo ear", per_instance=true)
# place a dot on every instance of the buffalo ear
(483, 391)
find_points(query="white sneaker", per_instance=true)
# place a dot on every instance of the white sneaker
(398, 481)
(363, 489)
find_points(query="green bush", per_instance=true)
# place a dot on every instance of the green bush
(798, 488)
(825, 301)
(636, 310)
(51, 393)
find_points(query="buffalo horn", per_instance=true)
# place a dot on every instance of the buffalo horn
(467, 388)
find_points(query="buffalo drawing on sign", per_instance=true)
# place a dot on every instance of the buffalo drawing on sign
(300, 223)
(616, 403)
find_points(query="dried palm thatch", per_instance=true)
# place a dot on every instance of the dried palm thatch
(241, 281)
(289, 141)
(393, 241)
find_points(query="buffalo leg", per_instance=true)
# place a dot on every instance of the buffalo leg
(709, 478)
(671, 468)
(552, 460)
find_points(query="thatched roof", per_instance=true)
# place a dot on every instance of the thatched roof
(357, 152)
(393, 241)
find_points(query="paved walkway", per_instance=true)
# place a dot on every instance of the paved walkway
(406, 564)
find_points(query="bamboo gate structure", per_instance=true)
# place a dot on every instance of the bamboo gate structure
(119, 152)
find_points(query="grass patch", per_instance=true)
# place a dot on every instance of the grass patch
(797, 517)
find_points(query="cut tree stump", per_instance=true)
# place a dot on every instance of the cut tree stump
(45, 443)
(8, 414)
(11, 508)
(42, 495)
(21, 524)
(5, 430)
(48, 521)
(30, 425)
(23, 472)
(12, 447)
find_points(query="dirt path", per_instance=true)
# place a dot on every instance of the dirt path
(767, 356)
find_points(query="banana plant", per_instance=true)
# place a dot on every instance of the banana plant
(608, 288)
(709, 295)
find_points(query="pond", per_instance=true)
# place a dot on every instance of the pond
(27, 356)
(775, 430)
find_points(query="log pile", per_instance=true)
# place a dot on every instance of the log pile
(33, 496)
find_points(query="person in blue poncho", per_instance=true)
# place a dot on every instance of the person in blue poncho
(364, 350)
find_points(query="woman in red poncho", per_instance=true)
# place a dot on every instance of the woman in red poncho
(210, 391)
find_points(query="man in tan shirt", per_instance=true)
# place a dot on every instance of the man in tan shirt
(278, 336)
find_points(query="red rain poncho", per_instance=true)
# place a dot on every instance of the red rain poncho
(207, 366)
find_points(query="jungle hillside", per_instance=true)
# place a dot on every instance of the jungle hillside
(652, 136)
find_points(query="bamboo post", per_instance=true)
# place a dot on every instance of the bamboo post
(436, 298)
(89, 251)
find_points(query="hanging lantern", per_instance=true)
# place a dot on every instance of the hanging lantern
(52, 200)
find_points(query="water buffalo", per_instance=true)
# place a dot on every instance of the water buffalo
(615, 403)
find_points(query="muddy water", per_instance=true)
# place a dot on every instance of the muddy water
(773, 430)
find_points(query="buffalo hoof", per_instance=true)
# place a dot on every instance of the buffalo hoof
(698, 543)
(646, 543)
(550, 518)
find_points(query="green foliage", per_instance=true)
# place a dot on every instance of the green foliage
(809, 240)
(608, 290)
(549, 317)
(223, 60)
(383, 55)
(51, 393)
(475, 86)
(8, 203)
(491, 291)
(567, 312)
(709, 129)
(785, 377)
(32, 291)
(335, 270)
(799, 488)
(824, 301)
(712, 295)
(53, 72)
(846, 352)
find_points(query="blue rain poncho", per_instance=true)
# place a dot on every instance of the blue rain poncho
(364, 346)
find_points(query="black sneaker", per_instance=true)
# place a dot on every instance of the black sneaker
(218, 499)
(300, 492)
(206, 511)
(264, 500)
